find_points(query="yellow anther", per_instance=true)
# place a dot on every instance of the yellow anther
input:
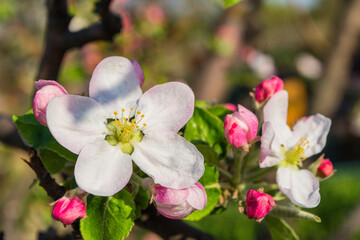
(137, 126)
(124, 118)
(133, 120)
(144, 124)
(138, 112)
(132, 109)
(123, 110)
(142, 116)
(115, 113)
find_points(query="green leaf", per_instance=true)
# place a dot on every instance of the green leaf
(52, 161)
(213, 192)
(229, 3)
(142, 200)
(109, 218)
(210, 156)
(204, 126)
(219, 111)
(39, 136)
(279, 229)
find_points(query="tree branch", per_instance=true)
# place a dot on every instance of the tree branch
(169, 228)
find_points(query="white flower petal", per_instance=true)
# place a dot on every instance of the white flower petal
(275, 111)
(270, 154)
(102, 169)
(167, 106)
(301, 187)
(169, 159)
(315, 128)
(114, 83)
(75, 121)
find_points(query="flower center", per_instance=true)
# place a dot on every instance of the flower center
(296, 155)
(124, 130)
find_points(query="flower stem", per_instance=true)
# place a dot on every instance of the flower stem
(225, 173)
(136, 180)
(240, 153)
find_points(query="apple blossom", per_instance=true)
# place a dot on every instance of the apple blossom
(139, 72)
(258, 204)
(179, 203)
(288, 148)
(267, 88)
(240, 127)
(67, 210)
(118, 123)
(46, 90)
(325, 168)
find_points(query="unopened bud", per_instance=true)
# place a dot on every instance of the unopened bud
(240, 127)
(46, 90)
(67, 210)
(325, 168)
(267, 88)
(258, 204)
(179, 203)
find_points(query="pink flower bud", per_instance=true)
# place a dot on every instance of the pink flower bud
(67, 210)
(179, 203)
(258, 204)
(46, 90)
(240, 127)
(267, 88)
(139, 72)
(325, 168)
(230, 106)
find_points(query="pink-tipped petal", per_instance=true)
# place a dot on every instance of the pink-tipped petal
(102, 169)
(170, 196)
(43, 83)
(197, 196)
(301, 187)
(250, 119)
(75, 121)
(139, 72)
(46, 90)
(175, 211)
(167, 106)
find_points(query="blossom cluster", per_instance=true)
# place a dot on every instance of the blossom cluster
(118, 125)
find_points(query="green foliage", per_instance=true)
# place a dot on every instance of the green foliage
(206, 127)
(142, 200)
(39, 137)
(279, 229)
(52, 161)
(209, 181)
(109, 217)
(210, 156)
(229, 3)
(219, 111)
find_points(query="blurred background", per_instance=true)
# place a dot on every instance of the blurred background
(312, 45)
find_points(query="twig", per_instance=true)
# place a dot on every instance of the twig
(168, 228)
